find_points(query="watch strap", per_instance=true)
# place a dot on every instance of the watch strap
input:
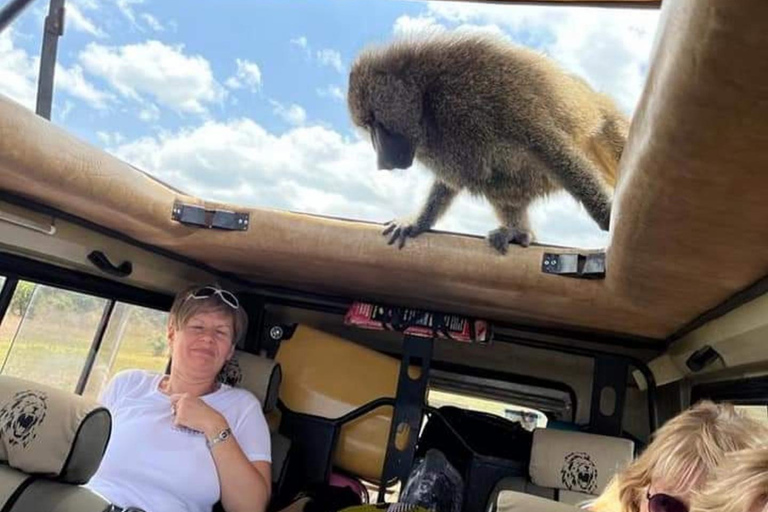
(220, 437)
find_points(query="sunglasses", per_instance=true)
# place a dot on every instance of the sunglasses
(206, 292)
(665, 503)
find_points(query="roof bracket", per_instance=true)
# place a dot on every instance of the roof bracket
(584, 266)
(220, 219)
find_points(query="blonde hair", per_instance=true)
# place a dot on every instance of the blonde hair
(683, 454)
(183, 309)
(739, 484)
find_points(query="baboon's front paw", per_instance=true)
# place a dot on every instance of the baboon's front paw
(500, 238)
(400, 230)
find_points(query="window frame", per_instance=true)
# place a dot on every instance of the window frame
(750, 391)
(15, 267)
(18, 268)
(468, 374)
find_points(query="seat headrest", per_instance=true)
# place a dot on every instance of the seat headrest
(50, 432)
(259, 375)
(577, 461)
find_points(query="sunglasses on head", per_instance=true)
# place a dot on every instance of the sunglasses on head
(206, 292)
(665, 503)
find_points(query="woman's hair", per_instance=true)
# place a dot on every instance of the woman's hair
(684, 452)
(739, 484)
(184, 308)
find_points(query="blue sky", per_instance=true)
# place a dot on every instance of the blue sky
(243, 101)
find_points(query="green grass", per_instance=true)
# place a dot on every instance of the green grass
(54, 353)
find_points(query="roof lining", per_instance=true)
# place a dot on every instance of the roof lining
(748, 294)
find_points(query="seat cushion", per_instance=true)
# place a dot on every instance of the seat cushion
(49, 496)
(510, 501)
(12, 483)
(573, 497)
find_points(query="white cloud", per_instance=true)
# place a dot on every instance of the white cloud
(88, 5)
(18, 78)
(61, 113)
(608, 47)
(152, 22)
(326, 57)
(82, 23)
(18, 72)
(72, 81)
(292, 114)
(301, 42)
(408, 25)
(314, 169)
(248, 75)
(126, 7)
(332, 91)
(149, 113)
(331, 58)
(182, 82)
(110, 138)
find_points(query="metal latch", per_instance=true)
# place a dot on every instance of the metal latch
(220, 219)
(585, 266)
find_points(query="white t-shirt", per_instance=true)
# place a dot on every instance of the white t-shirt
(151, 464)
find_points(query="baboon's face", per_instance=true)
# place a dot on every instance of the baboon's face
(388, 108)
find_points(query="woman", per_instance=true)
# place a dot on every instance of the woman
(683, 454)
(740, 484)
(182, 441)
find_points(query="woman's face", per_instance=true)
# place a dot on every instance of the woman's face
(203, 344)
(760, 506)
(674, 501)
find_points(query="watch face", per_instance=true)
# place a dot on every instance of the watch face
(224, 434)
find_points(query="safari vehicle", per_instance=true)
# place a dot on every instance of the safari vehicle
(593, 350)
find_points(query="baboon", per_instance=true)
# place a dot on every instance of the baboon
(498, 120)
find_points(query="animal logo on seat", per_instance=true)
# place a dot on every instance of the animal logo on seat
(20, 418)
(231, 373)
(579, 473)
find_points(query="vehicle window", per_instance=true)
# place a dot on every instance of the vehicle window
(758, 412)
(47, 333)
(527, 417)
(135, 338)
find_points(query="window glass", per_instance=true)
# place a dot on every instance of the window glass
(47, 333)
(758, 412)
(529, 418)
(135, 338)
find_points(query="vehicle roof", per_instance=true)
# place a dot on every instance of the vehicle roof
(688, 228)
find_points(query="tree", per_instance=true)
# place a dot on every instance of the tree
(22, 297)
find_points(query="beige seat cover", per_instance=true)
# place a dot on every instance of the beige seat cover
(510, 501)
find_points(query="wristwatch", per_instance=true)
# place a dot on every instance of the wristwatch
(222, 436)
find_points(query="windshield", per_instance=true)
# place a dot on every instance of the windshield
(244, 102)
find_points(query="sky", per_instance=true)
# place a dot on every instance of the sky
(243, 101)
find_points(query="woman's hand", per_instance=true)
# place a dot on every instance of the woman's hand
(192, 412)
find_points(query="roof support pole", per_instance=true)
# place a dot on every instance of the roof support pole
(54, 28)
